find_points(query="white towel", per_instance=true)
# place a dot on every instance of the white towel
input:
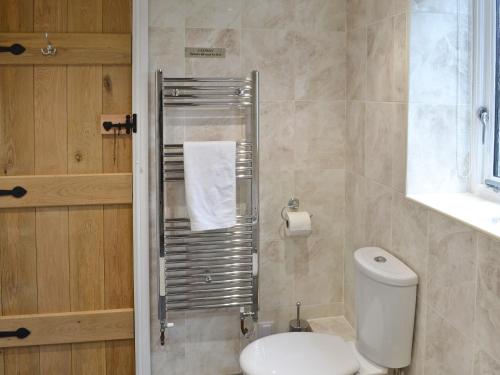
(210, 183)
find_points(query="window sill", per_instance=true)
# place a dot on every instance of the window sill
(478, 212)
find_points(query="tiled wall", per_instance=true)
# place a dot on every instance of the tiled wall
(458, 313)
(299, 48)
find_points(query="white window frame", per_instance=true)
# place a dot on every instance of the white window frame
(484, 96)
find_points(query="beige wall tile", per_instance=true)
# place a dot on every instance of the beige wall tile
(172, 355)
(213, 357)
(276, 281)
(269, 52)
(410, 237)
(356, 14)
(356, 64)
(320, 65)
(378, 215)
(380, 119)
(276, 188)
(355, 233)
(452, 271)
(418, 349)
(213, 13)
(167, 13)
(166, 50)
(386, 60)
(377, 10)
(484, 364)
(318, 269)
(321, 14)
(268, 14)
(488, 296)
(319, 258)
(277, 136)
(355, 137)
(322, 194)
(229, 66)
(447, 351)
(319, 137)
(399, 147)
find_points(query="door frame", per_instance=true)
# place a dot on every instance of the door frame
(140, 152)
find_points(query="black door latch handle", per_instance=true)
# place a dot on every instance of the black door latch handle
(16, 192)
(15, 49)
(20, 333)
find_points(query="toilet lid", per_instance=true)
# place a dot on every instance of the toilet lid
(299, 353)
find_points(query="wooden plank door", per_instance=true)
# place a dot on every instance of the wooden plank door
(66, 246)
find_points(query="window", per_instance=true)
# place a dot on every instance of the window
(496, 150)
(487, 98)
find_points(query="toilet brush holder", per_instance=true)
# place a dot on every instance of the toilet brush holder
(299, 325)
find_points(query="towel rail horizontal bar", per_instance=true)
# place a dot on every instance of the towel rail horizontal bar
(206, 87)
(211, 96)
(188, 228)
(180, 145)
(210, 251)
(181, 299)
(201, 249)
(196, 267)
(208, 104)
(242, 177)
(207, 79)
(212, 306)
(181, 170)
(211, 290)
(186, 220)
(208, 243)
(211, 234)
(175, 249)
(222, 273)
(181, 153)
(181, 162)
(205, 284)
(208, 259)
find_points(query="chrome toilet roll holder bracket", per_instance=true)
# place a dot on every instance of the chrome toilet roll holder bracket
(293, 205)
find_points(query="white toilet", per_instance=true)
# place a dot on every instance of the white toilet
(385, 310)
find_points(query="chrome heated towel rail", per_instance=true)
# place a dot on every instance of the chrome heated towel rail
(217, 268)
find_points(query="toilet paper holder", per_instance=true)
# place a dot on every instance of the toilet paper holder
(293, 204)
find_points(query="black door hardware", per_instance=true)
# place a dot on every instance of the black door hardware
(20, 333)
(15, 49)
(130, 124)
(16, 192)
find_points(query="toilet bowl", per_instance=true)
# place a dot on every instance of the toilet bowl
(385, 310)
(300, 353)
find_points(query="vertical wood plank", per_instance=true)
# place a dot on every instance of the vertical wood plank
(16, 15)
(51, 15)
(85, 156)
(52, 223)
(84, 16)
(118, 251)
(19, 291)
(117, 157)
(17, 233)
(86, 223)
(51, 156)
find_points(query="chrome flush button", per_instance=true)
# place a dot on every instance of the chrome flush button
(380, 259)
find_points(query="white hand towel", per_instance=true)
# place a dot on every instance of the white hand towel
(210, 183)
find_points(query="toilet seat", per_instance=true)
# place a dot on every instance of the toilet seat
(300, 353)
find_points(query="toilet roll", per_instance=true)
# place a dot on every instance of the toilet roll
(298, 224)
